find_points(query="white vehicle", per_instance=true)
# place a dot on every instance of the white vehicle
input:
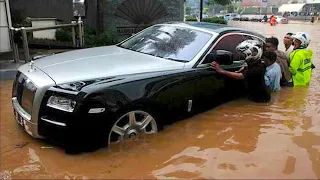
(230, 16)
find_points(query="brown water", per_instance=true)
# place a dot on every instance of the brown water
(240, 139)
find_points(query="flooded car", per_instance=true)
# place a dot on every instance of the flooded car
(122, 91)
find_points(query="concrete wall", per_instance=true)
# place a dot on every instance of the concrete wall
(4, 30)
(61, 9)
(45, 34)
(174, 12)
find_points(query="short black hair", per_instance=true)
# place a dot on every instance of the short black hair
(272, 56)
(274, 41)
(289, 33)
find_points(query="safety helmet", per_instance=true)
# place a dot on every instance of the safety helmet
(303, 37)
(250, 49)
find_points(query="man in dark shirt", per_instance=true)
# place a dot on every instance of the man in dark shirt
(253, 75)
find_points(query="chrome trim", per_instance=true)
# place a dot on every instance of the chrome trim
(20, 110)
(29, 126)
(63, 91)
(59, 108)
(54, 122)
(96, 110)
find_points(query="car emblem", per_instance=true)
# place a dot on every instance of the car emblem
(31, 64)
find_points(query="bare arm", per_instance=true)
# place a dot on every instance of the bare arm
(234, 75)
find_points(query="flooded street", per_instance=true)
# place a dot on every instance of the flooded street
(239, 139)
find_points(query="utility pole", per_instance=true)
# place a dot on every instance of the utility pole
(201, 8)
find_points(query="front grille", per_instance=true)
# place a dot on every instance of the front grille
(24, 90)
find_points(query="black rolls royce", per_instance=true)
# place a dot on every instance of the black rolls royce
(134, 87)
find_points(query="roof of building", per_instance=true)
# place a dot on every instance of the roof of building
(291, 7)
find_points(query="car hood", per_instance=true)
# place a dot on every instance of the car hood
(101, 62)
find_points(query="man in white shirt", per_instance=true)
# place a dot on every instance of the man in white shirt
(287, 41)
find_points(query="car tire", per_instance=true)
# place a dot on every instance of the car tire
(147, 121)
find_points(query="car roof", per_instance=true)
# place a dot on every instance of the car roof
(216, 28)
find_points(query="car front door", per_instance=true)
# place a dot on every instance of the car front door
(213, 88)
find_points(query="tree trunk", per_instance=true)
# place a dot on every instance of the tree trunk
(100, 12)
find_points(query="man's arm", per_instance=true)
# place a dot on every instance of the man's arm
(234, 75)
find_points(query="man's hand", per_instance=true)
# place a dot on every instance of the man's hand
(216, 66)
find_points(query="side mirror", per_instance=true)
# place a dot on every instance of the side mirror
(220, 56)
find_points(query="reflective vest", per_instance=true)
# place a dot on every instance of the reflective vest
(300, 66)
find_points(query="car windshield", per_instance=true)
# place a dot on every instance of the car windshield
(169, 42)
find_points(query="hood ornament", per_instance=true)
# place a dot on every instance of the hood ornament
(31, 64)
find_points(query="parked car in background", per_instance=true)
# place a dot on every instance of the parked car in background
(240, 18)
(135, 87)
(257, 18)
(230, 16)
(282, 20)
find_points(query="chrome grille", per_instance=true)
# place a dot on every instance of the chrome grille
(24, 90)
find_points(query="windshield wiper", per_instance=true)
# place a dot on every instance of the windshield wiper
(178, 60)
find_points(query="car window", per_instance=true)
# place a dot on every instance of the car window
(229, 43)
(169, 42)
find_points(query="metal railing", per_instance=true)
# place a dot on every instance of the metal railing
(24, 31)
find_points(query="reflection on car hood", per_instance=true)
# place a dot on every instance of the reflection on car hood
(101, 62)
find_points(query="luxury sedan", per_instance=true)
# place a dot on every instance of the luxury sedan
(133, 88)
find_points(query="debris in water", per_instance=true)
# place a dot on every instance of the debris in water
(46, 147)
(20, 144)
(288, 123)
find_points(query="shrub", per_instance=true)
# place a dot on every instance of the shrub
(92, 38)
(218, 20)
(64, 35)
(191, 18)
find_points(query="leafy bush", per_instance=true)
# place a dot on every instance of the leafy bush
(92, 38)
(64, 35)
(218, 20)
(191, 18)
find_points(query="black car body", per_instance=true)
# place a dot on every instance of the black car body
(123, 105)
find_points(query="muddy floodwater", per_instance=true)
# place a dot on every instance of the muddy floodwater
(239, 139)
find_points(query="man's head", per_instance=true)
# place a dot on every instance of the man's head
(272, 44)
(287, 40)
(269, 57)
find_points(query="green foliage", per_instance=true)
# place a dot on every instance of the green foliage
(217, 20)
(191, 18)
(230, 8)
(188, 10)
(64, 35)
(48, 42)
(221, 2)
(93, 39)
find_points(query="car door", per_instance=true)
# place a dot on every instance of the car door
(213, 88)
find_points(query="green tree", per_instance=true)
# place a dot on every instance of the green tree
(188, 10)
(230, 8)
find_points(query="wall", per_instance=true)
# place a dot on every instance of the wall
(141, 15)
(61, 9)
(4, 31)
(46, 34)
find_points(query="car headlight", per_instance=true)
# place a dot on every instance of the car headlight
(61, 103)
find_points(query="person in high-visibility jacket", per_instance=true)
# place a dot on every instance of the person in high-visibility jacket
(301, 60)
